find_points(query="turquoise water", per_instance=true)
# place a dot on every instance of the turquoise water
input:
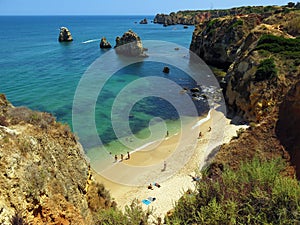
(38, 72)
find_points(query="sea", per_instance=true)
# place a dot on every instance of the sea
(38, 72)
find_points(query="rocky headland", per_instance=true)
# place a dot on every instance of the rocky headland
(45, 177)
(194, 17)
(130, 44)
(259, 56)
(65, 35)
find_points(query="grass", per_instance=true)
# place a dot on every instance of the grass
(288, 47)
(257, 193)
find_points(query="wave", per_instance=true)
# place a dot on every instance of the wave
(200, 122)
(144, 146)
(89, 41)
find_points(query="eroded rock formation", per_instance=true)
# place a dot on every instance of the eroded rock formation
(65, 35)
(144, 21)
(258, 53)
(44, 176)
(104, 43)
(288, 125)
(130, 44)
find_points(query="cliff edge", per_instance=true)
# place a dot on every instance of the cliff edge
(259, 56)
(45, 177)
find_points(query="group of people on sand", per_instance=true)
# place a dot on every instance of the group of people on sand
(122, 157)
(200, 133)
(150, 186)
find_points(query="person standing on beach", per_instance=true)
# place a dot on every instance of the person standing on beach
(200, 135)
(122, 157)
(167, 135)
(165, 166)
(116, 158)
(128, 155)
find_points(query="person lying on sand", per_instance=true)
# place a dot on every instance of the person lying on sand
(195, 178)
(157, 185)
(150, 186)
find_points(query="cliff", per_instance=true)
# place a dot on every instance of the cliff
(45, 178)
(259, 54)
(194, 17)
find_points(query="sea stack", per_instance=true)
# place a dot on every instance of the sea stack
(144, 21)
(65, 35)
(104, 43)
(166, 69)
(130, 44)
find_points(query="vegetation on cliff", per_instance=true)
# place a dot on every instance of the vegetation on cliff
(261, 86)
(194, 17)
(256, 193)
(45, 177)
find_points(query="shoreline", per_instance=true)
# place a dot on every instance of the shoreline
(173, 187)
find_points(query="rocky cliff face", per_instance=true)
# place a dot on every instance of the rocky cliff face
(44, 176)
(260, 54)
(288, 124)
(194, 17)
(218, 40)
(230, 43)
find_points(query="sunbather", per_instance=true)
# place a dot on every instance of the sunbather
(150, 186)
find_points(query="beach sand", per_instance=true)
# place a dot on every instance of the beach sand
(174, 183)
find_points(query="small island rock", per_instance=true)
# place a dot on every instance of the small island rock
(130, 44)
(104, 43)
(144, 21)
(166, 69)
(65, 35)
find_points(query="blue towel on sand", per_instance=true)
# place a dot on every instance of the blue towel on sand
(146, 201)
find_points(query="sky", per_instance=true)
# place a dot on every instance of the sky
(119, 7)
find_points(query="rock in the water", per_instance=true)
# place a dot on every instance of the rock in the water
(166, 69)
(104, 43)
(144, 21)
(193, 90)
(65, 35)
(130, 44)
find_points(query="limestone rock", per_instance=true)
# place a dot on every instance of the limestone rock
(65, 35)
(144, 21)
(104, 43)
(218, 40)
(130, 44)
(44, 173)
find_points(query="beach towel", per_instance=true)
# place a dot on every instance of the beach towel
(146, 202)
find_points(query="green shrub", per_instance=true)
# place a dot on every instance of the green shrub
(236, 23)
(257, 193)
(288, 47)
(133, 215)
(266, 70)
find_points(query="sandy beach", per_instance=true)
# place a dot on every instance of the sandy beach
(175, 179)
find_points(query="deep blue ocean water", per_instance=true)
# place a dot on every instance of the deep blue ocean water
(38, 72)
